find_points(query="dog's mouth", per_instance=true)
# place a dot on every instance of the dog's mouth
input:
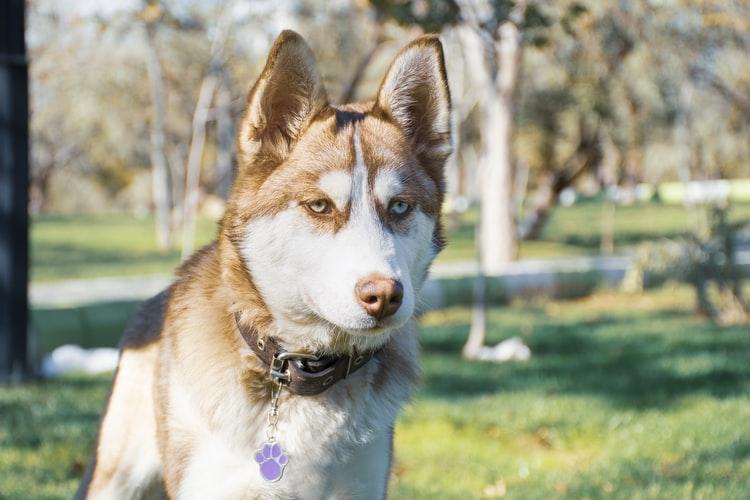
(364, 327)
(377, 329)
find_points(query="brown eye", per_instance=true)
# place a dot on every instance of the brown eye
(399, 208)
(319, 206)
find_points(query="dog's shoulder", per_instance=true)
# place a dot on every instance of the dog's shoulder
(146, 324)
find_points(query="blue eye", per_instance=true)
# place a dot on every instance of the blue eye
(319, 206)
(399, 207)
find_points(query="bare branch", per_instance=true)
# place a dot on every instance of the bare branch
(705, 76)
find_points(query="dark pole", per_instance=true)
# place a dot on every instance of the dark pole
(14, 183)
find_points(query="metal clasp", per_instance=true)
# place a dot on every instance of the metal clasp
(279, 369)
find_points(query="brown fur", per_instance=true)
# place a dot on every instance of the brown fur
(288, 137)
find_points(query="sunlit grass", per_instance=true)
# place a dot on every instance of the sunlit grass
(624, 397)
(46, 430)
(70, 247)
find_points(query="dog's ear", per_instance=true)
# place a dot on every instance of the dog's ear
(289, 93)
(415, 95)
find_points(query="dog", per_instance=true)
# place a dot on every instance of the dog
(276, 363)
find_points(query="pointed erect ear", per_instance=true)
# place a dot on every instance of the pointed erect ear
(415, 95)
(289, 93)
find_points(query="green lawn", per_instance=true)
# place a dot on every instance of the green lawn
(577, 230)
(89, 246)
(69, 247)
(624, 397)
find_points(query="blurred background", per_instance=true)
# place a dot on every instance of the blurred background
(585, 332)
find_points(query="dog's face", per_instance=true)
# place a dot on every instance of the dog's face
(336, 212)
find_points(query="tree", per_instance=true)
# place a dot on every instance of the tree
(151, 16)
(209, 84)
(502, 41)
(499, 27)
(497, 242)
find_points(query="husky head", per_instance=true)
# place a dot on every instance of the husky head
(335, 210)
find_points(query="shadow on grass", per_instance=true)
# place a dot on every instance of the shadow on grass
(644, 360)
(35, 413)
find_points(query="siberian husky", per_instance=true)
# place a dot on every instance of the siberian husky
(277, 362)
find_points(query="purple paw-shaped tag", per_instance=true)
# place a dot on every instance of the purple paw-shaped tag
(272, 461)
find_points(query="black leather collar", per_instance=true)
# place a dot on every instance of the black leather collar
(301, 373)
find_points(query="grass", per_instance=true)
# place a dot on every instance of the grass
(624, 397)
(88, 246)
(577, 230)
(69, 247)
(46, 432)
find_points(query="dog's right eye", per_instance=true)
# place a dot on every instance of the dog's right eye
(319, 207)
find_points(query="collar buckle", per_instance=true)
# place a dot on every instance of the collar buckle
(279, 369)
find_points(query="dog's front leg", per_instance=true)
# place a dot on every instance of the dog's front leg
(126, 462)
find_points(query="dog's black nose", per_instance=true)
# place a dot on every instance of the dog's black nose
(380, 297)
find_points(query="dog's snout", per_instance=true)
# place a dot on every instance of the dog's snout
(380, 297)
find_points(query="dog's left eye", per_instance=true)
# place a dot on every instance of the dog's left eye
(319, 206)
(399, 207)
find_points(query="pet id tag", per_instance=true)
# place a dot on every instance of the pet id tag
(272, 461)
(270, 458)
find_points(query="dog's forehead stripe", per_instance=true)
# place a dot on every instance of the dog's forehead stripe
(337, 184)
(359, 181)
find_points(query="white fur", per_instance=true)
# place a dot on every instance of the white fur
(131, 412)
(337, 442)
(387, 185)
(337, 184)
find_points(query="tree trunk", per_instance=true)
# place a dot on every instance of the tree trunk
(544, 200)
(159, 172)
(607, 176)
(39, 186)
(195, 157)
(40, 177)
(177, 170)
(497, 225)
(478, 329)
(633, 154)
(224, 138)
(587, 155)
(686, 157)
(607, 242)
(198, 140)
(496, 238)
(683, 140)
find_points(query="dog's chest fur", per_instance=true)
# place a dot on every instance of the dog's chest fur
(338, 442)
(334, 441)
